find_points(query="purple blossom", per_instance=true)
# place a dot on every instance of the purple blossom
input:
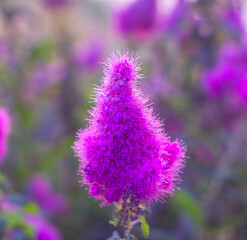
(124, 153)
(43, 229)
(5, 129)
(225, 84)
(234, 20)
(89, 56)
(42, 192)
(137, 19)
(231, 17)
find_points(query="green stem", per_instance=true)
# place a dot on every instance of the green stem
(127, 232)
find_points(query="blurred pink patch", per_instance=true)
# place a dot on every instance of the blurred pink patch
(138, 20)
(5, 128)
(88, 56)
(50, 201)
(55, 4)
(227, 79)
(8, 206)
(242, 88)
(163, 86)
(42, 76)
(204, 154)
(5, 53)
(43, 229)
(225, 84)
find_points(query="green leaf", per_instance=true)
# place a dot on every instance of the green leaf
(144, 227)
(51, 158)
(15, 220)
(1, 177)
(28, 230)
(190, 205)
(12, 219)
(114, 221)
(244, 171)
(45, 50)
(32, 208)
(26, 115)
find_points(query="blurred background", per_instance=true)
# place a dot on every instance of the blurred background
(194, 59)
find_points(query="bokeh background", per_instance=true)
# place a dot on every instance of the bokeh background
(194, 59)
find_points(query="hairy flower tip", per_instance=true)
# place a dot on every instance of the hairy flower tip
(124, 154)
(5, 129)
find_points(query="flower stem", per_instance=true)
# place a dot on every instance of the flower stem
(127, 230)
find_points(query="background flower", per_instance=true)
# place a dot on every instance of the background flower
(41, 191)
(5, 129)
(138, 19)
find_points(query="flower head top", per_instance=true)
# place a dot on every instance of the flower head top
(4, 132)
(125, 156)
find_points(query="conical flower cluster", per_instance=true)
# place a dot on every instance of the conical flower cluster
(124, 153)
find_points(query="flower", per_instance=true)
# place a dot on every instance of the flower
(41, 191)
(43, 229)
(231, 18)
(225, 84)
(88, 57)
(138, 18)
(5, 128)
(125, 155)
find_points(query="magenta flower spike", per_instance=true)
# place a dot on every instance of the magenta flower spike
(125, 156)
(5, 129)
